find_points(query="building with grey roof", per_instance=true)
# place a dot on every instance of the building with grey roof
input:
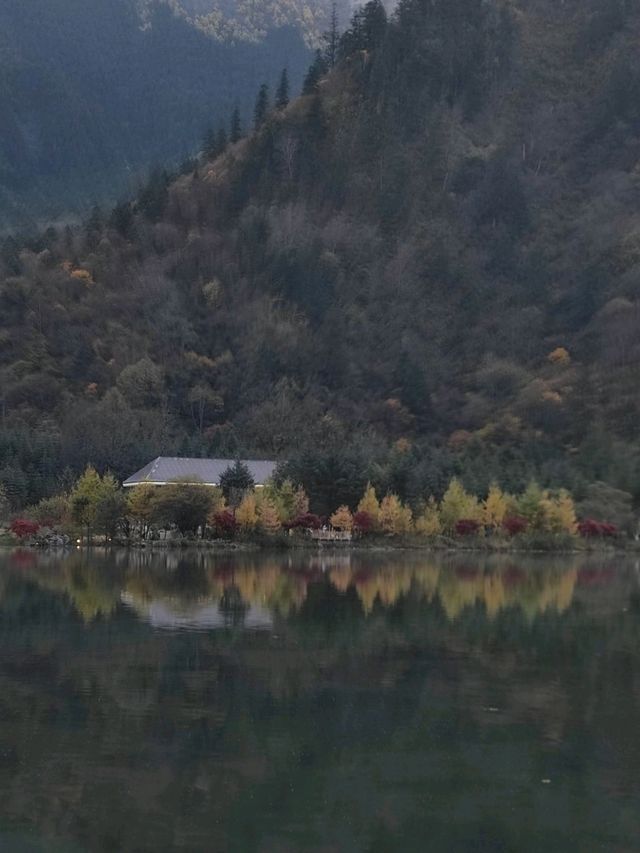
(168, 469)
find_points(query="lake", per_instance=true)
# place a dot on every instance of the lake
(285, 703)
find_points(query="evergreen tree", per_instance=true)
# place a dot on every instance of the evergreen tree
(261, 108)
(209, 144)
(282, 93)
(316, 72)
(331, 38)
(154, 196)
(236, 481)
(236, 126)
(221, 140)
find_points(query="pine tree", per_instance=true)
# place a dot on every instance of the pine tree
(331, 38)
(235, 127)
(316, 72)
(261, 108)
(222, 140)
(282, 93)
(209, 144)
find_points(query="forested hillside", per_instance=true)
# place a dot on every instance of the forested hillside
(247, 20)
(427, 264)
(91, 93)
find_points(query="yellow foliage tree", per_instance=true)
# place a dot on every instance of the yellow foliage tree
(457, 504)
(559, 356)
(369, 503)
(428, 523)
(559, 513)
(300, 502)
(394, 518)
(268, 518)
(495, 507)
(342, 519)
(247, 512)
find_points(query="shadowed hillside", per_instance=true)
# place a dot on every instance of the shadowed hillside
(429, 262)
(90, 97)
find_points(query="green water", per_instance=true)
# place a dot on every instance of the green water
(282, 704)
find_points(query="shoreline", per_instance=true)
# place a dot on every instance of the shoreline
(284, 545)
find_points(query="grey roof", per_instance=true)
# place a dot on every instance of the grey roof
(166, 469)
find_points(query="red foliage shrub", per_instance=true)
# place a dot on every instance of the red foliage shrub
(467, 527)
(224, 523)
(363, 522)
(23, 527)
(591, 529)
(307, 521)
(515, 524)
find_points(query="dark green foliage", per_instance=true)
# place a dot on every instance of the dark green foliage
(235, 127)
(153, 198)
(183, 505)
(316, 72)
(331, 38)
(282, 92)
(261, 108)
(235, 481)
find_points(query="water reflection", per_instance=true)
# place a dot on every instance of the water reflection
(198, 591)
(285, 704)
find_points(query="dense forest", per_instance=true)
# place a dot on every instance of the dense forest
(92, 92)
(426, 265)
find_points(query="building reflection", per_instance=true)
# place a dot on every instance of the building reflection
(175, 591)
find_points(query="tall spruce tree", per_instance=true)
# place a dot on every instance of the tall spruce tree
(282, 93)
(235, 132)
(331, 38)
(316, 72)
(261, 108)
(222, 140)
(209, 145)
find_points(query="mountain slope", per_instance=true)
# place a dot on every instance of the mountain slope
(90, 98)
(430, 264)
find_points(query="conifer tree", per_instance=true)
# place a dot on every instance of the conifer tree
(331, 38)
(261, 108)
(221, 140)
(209, 144)
(235, 133)
(316, 72)
(282, 92)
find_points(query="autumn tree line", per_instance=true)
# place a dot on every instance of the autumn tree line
(97, 507)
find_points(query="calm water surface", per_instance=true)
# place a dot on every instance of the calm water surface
(284, 704)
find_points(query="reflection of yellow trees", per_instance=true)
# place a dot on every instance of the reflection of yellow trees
(91, 592)
(532, 592)
(281, 587)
